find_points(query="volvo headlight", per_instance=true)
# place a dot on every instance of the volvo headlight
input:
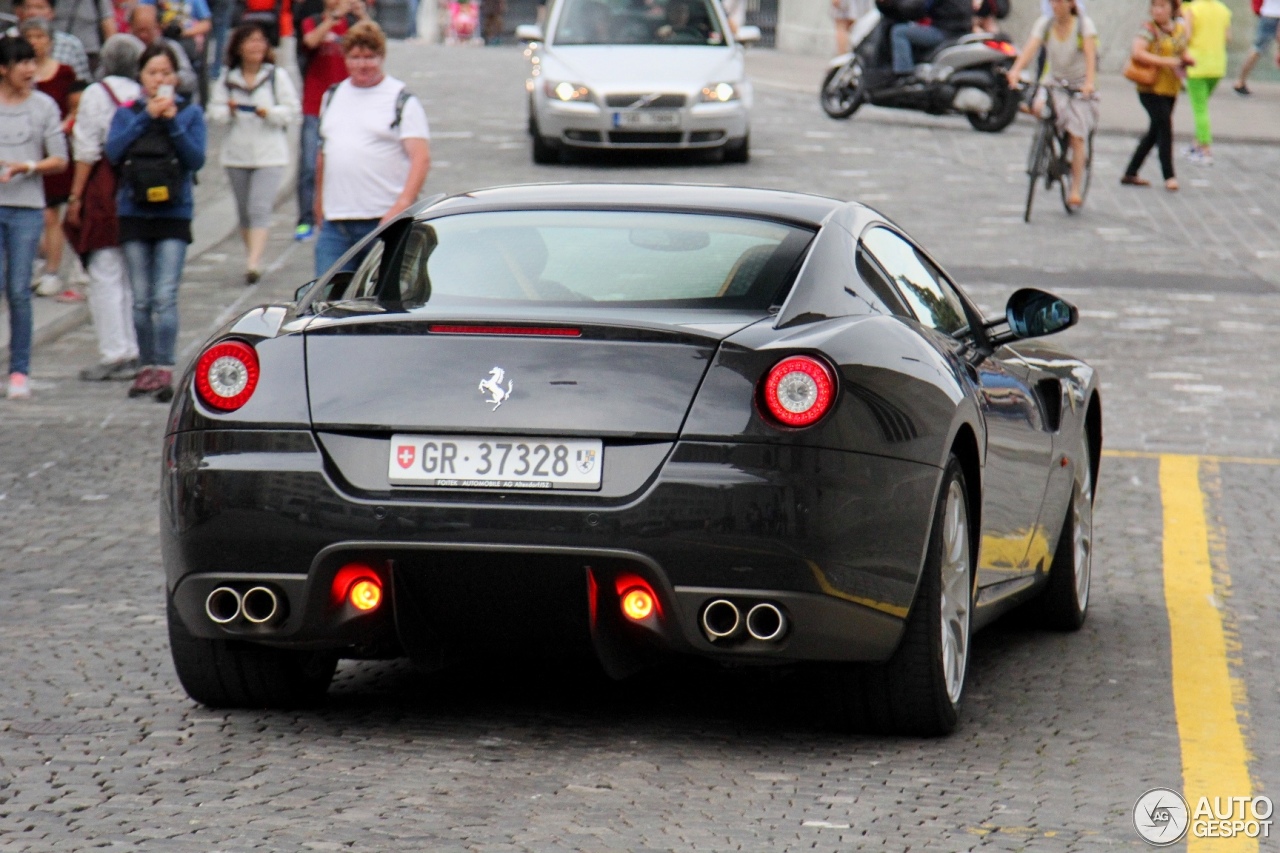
(566, 91)
(719, 93)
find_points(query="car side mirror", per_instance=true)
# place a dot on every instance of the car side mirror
(304, 290)
(1033, 313)
(529, 32)
(749, 34)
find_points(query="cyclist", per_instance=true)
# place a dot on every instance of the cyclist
(1070, 41)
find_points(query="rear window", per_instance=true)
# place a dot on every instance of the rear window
(585, 257)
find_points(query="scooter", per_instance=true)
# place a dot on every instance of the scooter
(962, 75)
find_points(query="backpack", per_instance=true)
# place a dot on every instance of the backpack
(264, 80)
(402, 98)
(151, 169)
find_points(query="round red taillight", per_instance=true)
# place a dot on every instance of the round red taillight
(799, 390)
(226, 375)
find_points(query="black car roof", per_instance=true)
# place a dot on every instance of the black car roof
(801, 208)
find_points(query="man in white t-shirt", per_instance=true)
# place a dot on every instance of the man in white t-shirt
(374, 151)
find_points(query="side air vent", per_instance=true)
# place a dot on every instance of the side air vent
(894, 423)
(1049, 393)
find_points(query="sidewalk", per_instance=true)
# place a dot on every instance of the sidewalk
(1255, 119)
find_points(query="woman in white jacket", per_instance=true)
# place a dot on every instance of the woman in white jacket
(260, 102)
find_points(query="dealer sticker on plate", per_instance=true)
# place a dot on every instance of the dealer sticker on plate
(495, 462)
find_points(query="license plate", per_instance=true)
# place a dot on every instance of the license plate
(495, 462)
(647, 118)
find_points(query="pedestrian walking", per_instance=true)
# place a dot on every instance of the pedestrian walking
(157, 143)
(1162, 43)
(258, 99)
(1210, 23)
(492, 13)
(31, 146)
(1265, 36)
(67, 49)
(844, 14)
(91, 224)
(1070, 41)
(374, 154)
(90, 21)
(58, 81)
(144, 22)
(323, 66)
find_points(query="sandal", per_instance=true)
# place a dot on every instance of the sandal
(1134, 181)
(1074, 201)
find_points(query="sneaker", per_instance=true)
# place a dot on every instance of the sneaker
(163, 379)
(125, 369)
(1196, 156)
(37, 272)
(110, 370)
(50, 285)
(19, 388)
(251, 278)
(304, 232)
(1242, 89)
(144, 383)
(70, 294)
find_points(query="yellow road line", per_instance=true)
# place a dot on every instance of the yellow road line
(1147, 454)
(1214, 757)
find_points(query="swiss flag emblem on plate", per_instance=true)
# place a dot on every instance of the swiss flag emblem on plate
(405, 454)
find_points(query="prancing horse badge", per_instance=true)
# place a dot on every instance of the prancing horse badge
(493, 387)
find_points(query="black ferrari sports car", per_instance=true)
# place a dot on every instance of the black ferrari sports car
(748, 425)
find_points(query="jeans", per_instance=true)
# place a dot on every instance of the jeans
(20, 229)
(336, 237)
(906, 36)
(1160, 134)
(155, 267)
(307, 170)
(221, 11)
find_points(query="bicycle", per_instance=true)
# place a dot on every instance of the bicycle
(1050, 156)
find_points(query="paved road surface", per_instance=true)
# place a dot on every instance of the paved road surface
(99, 747)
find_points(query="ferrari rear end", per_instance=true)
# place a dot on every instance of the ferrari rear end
(519, 432)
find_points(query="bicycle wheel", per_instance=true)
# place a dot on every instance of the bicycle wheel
(1037, 162)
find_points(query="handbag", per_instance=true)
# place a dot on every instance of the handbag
(1141, 73)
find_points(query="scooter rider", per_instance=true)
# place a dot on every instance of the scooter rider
(946, 19)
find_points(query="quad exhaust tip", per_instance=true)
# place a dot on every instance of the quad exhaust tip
(720, 619)
(765, 622)
(260, 605)
(223, 605)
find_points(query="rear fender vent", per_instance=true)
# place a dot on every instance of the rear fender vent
(1049, 394)
(895, 425)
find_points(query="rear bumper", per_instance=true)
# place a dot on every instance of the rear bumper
(835, 540)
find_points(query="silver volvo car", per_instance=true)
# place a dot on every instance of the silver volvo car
(643, 74)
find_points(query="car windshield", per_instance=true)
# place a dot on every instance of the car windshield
(643, 259)
(687, 22)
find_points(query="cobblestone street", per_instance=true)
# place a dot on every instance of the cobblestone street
(1179, 296)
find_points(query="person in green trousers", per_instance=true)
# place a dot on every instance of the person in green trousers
(1210, 22)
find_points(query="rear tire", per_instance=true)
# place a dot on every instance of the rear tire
(738, 150)
(238, 674)
(918, 691)
(1065, 601)
(840, 98)
(1003, 111)
(1037, 163)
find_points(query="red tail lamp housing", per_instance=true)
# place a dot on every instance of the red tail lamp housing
(359, 585)
(226, 375)
(799, 391)
(1003, 46)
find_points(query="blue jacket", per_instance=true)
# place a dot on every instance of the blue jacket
(187, 131)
